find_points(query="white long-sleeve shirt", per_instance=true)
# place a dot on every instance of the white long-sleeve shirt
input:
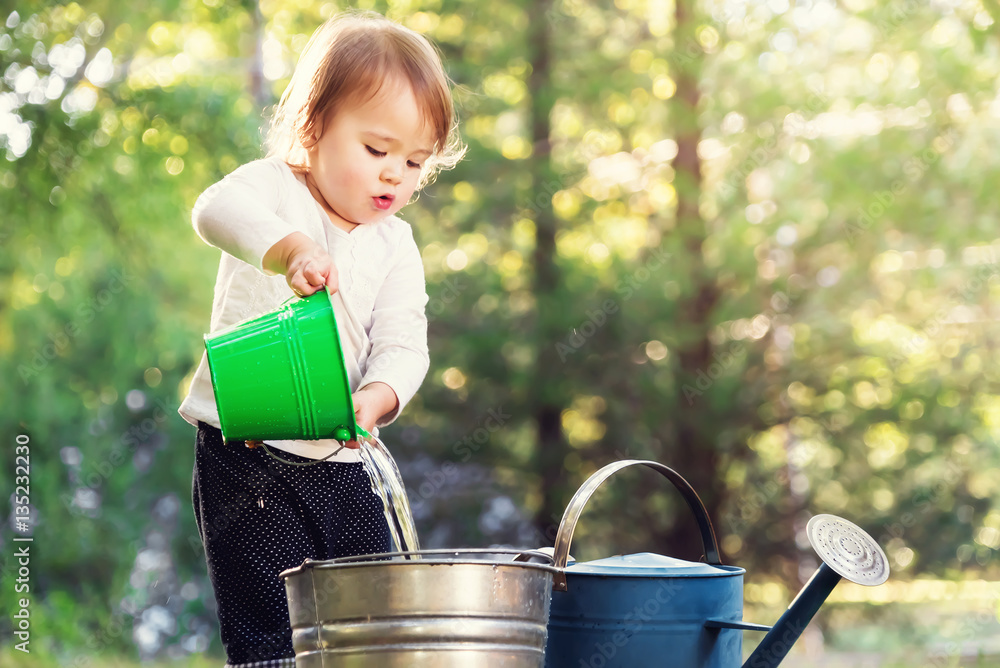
(379, 305)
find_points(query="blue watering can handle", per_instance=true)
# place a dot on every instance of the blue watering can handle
(573, 511)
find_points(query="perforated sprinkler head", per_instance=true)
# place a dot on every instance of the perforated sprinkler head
(848, 550)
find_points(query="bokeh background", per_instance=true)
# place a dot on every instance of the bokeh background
(755, 240)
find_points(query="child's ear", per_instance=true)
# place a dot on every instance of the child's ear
(309, 135)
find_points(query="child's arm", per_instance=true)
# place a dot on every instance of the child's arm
(398, 332)
(239, 216)
(239, 213)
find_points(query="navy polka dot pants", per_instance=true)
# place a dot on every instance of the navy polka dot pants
(257, 517)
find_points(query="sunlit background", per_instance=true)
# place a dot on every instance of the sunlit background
(753, 240)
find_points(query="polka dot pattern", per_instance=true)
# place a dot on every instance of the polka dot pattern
(257, 517)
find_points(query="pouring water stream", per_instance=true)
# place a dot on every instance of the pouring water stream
(387, 484)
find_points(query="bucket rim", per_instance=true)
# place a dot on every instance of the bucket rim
(405, 558)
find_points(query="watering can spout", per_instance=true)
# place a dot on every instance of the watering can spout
(847, 552)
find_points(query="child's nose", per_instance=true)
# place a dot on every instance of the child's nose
(392, 173)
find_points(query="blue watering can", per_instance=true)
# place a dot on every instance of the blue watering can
(645, 610)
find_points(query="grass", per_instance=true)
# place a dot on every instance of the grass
(11, 658)
(930, 634)
(866, 660)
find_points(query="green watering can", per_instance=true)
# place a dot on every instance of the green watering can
(282, 375)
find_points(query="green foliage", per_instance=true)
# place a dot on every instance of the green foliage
(840, 236)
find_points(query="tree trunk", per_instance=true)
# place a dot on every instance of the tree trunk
(695, 428)
(548, 400)
(256, 74)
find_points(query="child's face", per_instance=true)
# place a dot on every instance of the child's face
(366, 164)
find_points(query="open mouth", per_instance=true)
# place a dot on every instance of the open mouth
(383, 202)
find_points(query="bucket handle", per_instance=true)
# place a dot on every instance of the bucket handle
(569, 519)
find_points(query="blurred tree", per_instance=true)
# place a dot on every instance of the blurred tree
(103, 160)
(754, 241)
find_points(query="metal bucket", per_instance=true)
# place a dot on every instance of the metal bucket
(426, 609)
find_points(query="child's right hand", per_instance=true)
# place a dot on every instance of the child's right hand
(306, 266)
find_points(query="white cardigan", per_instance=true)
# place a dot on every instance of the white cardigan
(382, 294)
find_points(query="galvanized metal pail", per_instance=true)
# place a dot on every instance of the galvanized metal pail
(426, 609)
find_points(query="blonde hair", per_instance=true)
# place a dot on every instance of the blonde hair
(348, 60)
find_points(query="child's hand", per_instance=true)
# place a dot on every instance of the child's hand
(371, 403)
(306, 266)
(309, 269)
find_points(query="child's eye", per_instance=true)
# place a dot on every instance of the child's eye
(377, 154)
(415, 165)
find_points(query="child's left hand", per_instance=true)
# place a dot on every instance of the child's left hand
(371, 403)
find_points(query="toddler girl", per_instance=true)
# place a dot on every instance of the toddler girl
(366, 120)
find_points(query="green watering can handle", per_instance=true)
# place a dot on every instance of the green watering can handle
(342, 435)
(569, 519)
